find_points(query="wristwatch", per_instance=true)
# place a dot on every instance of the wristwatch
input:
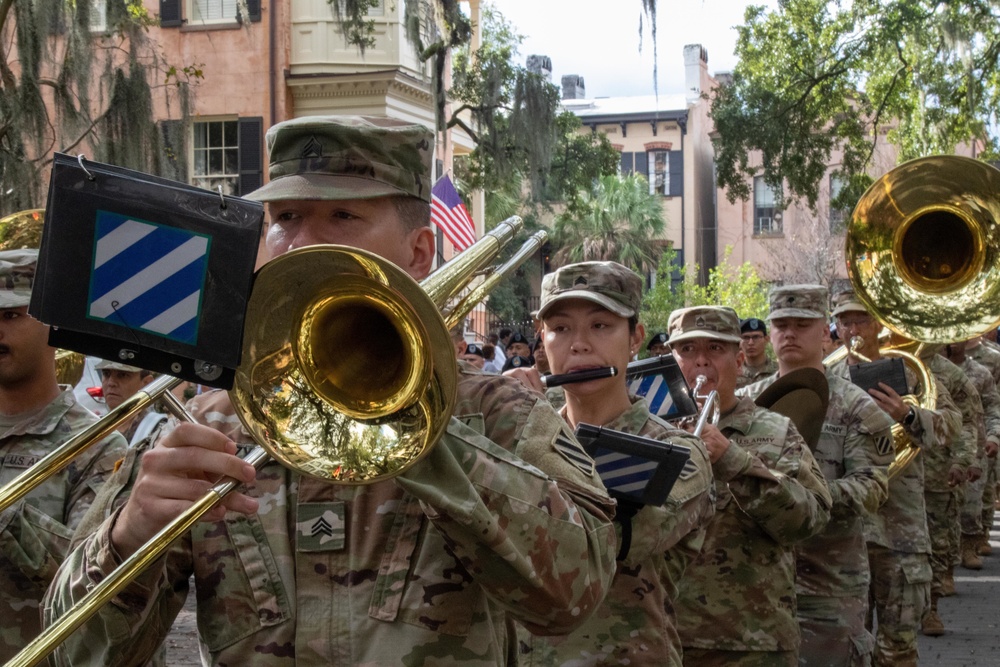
(910, 416)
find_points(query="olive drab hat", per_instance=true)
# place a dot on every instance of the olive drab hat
(608, 284)
(715, 322)
(17, 275)
(659, 338)
(347, 157)
(752, 324)
(847, 302)
(106, 365)
(806, 301)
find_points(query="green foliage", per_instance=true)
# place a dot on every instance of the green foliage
(97, 85)
(738, 287)
(578, 160)
(617, 219)
(815, 76)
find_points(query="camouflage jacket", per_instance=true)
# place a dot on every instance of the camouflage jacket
(636, 624)
(981, 378)
(739, 594)
(428, 568)
(36, 531)
(853, 451)
(988, 356)
(962, 449)
(901, 522)
(748, 374)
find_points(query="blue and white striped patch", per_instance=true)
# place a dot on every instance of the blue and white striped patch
(624, 473)
(147, 276)
(656, 391)
(690, 468)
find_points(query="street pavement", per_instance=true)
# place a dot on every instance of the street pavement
(970, 617)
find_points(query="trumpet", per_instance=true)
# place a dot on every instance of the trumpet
(710, 405)
(336, 428)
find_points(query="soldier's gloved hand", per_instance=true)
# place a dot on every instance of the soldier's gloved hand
(179, 470)
(956, 476)
(975, 473)
(529, 377)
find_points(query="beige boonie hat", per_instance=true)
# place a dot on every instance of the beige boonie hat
(104, 364)
(715, 322)
(608, 284)
(808, 301)
(17, 274)
(847, 302)
(347, 157)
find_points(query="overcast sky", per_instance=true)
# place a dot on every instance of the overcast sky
(599, 39)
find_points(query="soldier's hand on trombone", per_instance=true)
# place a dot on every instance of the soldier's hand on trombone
(179, 470)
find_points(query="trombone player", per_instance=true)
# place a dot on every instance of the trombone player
(496, 523)
(36, 414)
(898, 543)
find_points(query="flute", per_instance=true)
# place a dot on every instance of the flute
(579, 376)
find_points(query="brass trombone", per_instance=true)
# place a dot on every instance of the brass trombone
(361, 432)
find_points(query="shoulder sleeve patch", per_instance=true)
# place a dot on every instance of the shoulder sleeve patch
(573, 452)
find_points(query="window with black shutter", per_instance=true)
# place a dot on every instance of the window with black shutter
(676, 185)
(642, 164)
(251, 154)
(253, 9)
(175, 154)
(170, 13)
(627, 164)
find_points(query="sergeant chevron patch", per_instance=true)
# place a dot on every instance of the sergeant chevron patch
(573, 452)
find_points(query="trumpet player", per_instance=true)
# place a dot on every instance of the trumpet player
(854, 450)
(736, 603)
(36, 415)
(898, 542)
(504, 518)
(589, 314)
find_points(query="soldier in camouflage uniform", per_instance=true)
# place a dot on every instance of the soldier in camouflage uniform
(504, 519)
(753, 342)
(119, 382)
(657, 345)
(737, 600)
(853, 451)
(589, 314)
(987, 436)
(898, 543)
(37, 415)
(988, 356)
(945, 471)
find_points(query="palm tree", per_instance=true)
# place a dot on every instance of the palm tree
(618, 220)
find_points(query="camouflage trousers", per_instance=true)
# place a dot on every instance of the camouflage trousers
(972, 507)
(833, 632)
(943, 530)
(705, 657)
(989, 497)
(899, 593)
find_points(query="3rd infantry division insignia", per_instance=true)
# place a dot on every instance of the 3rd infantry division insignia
(573, 452)
(883, 445)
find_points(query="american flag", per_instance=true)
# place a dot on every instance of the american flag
(450, 215)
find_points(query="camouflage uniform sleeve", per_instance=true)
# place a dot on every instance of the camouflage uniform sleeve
(789, 501)
(967, 399)
(130, 629)
(532, 525)
(864, 485)
(991, 408)
(936, 427)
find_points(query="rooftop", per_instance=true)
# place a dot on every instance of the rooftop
(643, 106)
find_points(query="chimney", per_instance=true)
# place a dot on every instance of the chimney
(573, 88)
(541, 65)
(695, 71)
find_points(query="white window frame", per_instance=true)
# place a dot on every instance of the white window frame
(658, 166)
(225, 7)
(209, 180)
(766, 212)
(98, 21)
(838, 216)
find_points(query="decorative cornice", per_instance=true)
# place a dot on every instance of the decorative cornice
(359, 84)
(658, 146)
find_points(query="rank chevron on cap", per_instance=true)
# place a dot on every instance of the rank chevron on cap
(148, 276)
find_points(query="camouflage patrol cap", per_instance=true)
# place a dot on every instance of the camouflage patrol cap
(105, 364)
(847, 302)
(608, 284)
(17, 274)
(715, 322)
(347, 157)
(808, 301)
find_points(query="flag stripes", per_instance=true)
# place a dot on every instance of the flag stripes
(450, 215)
